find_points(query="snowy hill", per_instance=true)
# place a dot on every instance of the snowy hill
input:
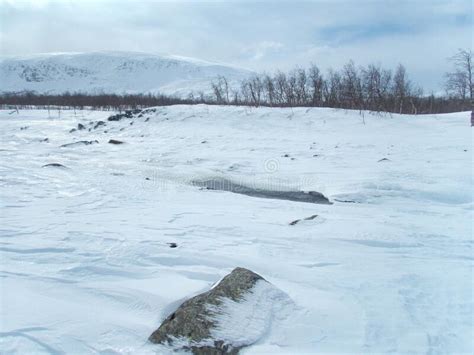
(111, 72)
(86, 265)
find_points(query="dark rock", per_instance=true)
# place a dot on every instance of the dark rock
(126, 114)
(46, 140)
(295, 222)
(310, 218)
(80, 126)
(115, 141)
(286, 155)
(78, 143)
(297, 196)
(203, 142)
(55, 165)
(118, 117)
(98, 124)
(173, 245)
(72, 130)
(383, 159)
(346, 201)
(192, 322)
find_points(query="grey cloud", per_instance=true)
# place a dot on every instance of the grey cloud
(262, 35)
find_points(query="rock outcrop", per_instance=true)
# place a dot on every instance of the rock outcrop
(231, 186)
(200, 323)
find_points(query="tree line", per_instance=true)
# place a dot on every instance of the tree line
(352, 87)
(363, 88)
(79, 101)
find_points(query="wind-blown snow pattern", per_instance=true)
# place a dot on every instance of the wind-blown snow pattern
(86, 266)
(113, 72)
(246, 321)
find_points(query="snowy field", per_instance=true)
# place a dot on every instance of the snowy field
(84, 256)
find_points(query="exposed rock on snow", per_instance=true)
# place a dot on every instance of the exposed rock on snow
(98, 124)
(126, 114)
(297, 196)
(115, 141)
(54, 165)
(68, 145)
(233, 314)
(310, 218)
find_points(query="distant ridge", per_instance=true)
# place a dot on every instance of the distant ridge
(112, 72)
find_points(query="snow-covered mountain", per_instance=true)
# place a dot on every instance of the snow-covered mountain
(112, 72)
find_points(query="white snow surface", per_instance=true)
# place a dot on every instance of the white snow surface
(113, 72)
(85, 266)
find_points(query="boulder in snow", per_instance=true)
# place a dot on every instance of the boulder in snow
(233, 314)
(115, 141)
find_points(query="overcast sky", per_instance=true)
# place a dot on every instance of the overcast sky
(259, 35)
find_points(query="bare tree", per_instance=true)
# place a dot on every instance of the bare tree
(316, 85)
(351, 87)
(401, 88)
(375, 87)
(220, 89)
(269, 89)
(280, 83)
(333, 89)
(301, 95)
(459, 82)
(291, 88)
(253, 90)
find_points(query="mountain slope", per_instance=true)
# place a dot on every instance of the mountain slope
(111, 72)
